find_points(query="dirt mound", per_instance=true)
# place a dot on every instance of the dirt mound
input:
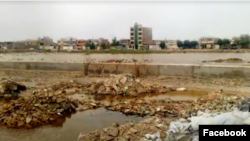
(9, 88)
(229, 60)
(124, 84)
(130, 131)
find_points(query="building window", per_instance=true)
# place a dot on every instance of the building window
(140, 29)
(132, 34)
(140, 33)
(132, 29)
(140, 38)
(132, 38)
(139, 42)
(132, 42)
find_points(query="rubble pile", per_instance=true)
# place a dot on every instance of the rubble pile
(217, 102)
(88, 103)
(129, 131)
(35, 110)
(10, 89)
(143, 107)
(124, 84)
(67, 88)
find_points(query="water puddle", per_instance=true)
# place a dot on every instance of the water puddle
(175, 95)
(178, 95)
(68, 129)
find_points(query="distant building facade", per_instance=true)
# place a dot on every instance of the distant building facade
(140, 36)
(45, 41)
(207, 42)
(125, 42)
(170, 44)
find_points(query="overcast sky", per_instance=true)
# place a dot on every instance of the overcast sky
(170, 20)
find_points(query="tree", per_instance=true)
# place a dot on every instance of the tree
(103, 46)
(89, 44)
(244, 40)
(193, 44)
(162, 45)
(179, 43)
(114, 42)
(226, 42)
(92, 45)
(186, 44)
(220, 42)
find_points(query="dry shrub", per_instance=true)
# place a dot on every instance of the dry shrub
(99, 69)
(137, 68)
(117, 66)
(86, 64)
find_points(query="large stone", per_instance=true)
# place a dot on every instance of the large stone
(28, 120)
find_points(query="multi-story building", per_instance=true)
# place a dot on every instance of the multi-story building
(140, 36)
(207, 42)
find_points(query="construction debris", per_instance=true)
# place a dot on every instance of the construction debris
(124, 84)
(214, 102)
(35, 110)
(130, 131)
(10, 89)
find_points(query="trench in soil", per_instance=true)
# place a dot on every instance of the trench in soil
(69, 127)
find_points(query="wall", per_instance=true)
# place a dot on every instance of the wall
(178, 70)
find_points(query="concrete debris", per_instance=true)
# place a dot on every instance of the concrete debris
(67, 88)
(124, 84)
(128, 132)
(213, 102)
(10, 89)
(35, 110)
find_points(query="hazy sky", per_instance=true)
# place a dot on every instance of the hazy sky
(170, 20)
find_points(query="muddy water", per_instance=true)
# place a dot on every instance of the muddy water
(175, 58)
(68, 129)
(178, 95)
(175, 95)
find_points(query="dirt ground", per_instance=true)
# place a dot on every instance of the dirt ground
(56, 89)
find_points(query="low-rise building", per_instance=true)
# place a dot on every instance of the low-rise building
(67, 43)
(45, 41)
(80, 43)
(32, 42)
(125, 42)
(170, 44)
(207, 42)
